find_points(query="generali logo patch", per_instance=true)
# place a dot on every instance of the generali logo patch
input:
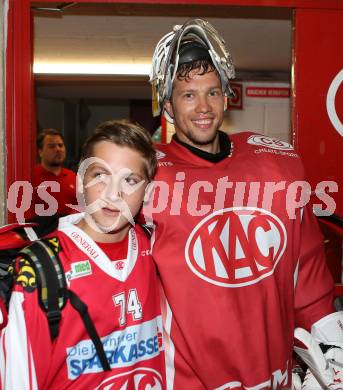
(236, 247)
(269, 142)
(139, 378)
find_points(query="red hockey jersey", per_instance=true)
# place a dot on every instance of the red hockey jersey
(119, 286)
(240, 261)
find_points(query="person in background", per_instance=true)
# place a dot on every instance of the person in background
(241, 262)
(54, 187)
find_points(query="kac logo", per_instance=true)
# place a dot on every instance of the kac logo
(331, 102)
(138, 379)
(273, 143)
(236, 247)
(119, 265)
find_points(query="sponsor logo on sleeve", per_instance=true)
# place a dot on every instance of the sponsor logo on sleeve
(236, 247)
(160, 155)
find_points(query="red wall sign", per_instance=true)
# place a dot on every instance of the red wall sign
(236, 102)
(268, 92)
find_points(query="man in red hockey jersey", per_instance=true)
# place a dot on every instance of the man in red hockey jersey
(52, 183)
(240, 259)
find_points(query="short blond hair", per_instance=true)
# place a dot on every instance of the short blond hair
(124, 133)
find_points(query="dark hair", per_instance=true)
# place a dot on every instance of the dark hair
(203, 67)
(193, 55)
(124, 133)
(44, 133)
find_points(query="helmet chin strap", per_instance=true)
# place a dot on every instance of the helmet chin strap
(168, 117)
(225, 102)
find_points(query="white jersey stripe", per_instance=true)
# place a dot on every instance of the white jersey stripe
(169, 345)
(2, 360)
(18, 353)
(296, 273)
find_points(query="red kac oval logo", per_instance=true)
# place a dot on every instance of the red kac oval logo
(137, 379)
(236, 246)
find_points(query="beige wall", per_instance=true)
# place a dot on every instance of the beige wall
(2, 115)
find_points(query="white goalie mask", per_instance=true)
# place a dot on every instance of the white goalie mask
(196, 35)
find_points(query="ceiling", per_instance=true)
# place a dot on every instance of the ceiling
(259, 39)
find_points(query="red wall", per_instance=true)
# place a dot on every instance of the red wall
(317, 62)
(20, 111)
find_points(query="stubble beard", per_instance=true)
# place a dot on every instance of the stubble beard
(56, 164)
(191, 138)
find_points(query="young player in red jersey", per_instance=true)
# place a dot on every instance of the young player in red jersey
(240, 259)
(107, 262)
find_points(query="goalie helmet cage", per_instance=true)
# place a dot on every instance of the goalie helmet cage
(166, 58)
